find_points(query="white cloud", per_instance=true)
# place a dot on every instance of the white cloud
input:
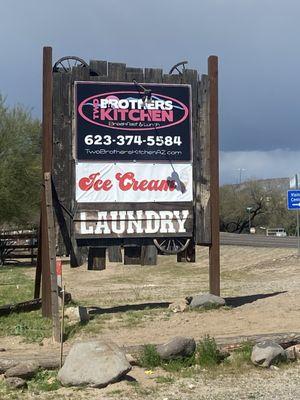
(278, 163)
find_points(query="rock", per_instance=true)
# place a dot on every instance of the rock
(16, 383)
(177, 347)
(274, 368)
(206, 300)
(77, 314)
(178, 306)
(5, 364)
(293, 352)
(131, 359)
(2, 349)
(93, 363)
(266, 353)
(25, 370)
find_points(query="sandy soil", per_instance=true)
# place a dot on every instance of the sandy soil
(261, 284)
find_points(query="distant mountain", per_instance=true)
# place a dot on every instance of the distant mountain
(283, 184)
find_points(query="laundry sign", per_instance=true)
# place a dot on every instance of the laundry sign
(140, 222)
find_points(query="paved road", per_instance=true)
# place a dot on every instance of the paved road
(257, 240)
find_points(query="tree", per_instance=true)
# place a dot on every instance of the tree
(268, 208)
(20, 166)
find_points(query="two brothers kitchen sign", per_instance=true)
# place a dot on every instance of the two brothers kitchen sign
(133, 160)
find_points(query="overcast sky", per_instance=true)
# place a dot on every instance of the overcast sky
(257, 42)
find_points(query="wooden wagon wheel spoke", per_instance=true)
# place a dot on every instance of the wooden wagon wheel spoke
(67, 63)
(171, 245)
(179, 67)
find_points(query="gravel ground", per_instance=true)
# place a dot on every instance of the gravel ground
(256, 384)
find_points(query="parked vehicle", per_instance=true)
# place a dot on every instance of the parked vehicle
(280, 232)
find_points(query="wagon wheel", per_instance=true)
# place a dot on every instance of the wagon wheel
(171, 245)
(67, 63)
(179, 67)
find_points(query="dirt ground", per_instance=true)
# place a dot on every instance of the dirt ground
(261, 287)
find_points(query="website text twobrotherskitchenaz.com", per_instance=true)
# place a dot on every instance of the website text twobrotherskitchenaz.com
(161, 152)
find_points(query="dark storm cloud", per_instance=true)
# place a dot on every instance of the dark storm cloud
(256, 40)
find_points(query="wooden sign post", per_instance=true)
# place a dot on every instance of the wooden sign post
(47, 249)
(214, 249)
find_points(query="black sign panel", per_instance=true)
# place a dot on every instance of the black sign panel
(122, 122)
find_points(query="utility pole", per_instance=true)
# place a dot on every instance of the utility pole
(240, 174)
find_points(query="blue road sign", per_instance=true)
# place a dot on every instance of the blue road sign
(293, 199)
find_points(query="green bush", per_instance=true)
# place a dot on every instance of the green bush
(207, 353)
(244, 351)
(44, 381)
(149, 357)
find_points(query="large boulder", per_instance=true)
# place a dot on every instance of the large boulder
(94, 363)
(267, 353)
(177, 347)
(206, 300)
(24, 370)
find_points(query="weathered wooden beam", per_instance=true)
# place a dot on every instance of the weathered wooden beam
(62, 133)
(189, 254)
(202, 160)
(115, 254)
(52, 360)
(46, 167)
(30, 305)
(172, 78)
(149, 254)
(214, 250)
(38, 271)
(98, 67)
(61, 222)
(25, 306)
(18, 256)
(134, 74)
(116, 72)
(153, 75)
(96, 258)
(77, 257)
(52, 257)
(132, 255)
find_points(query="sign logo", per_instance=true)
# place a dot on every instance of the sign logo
(114, 122)
(113, 109)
